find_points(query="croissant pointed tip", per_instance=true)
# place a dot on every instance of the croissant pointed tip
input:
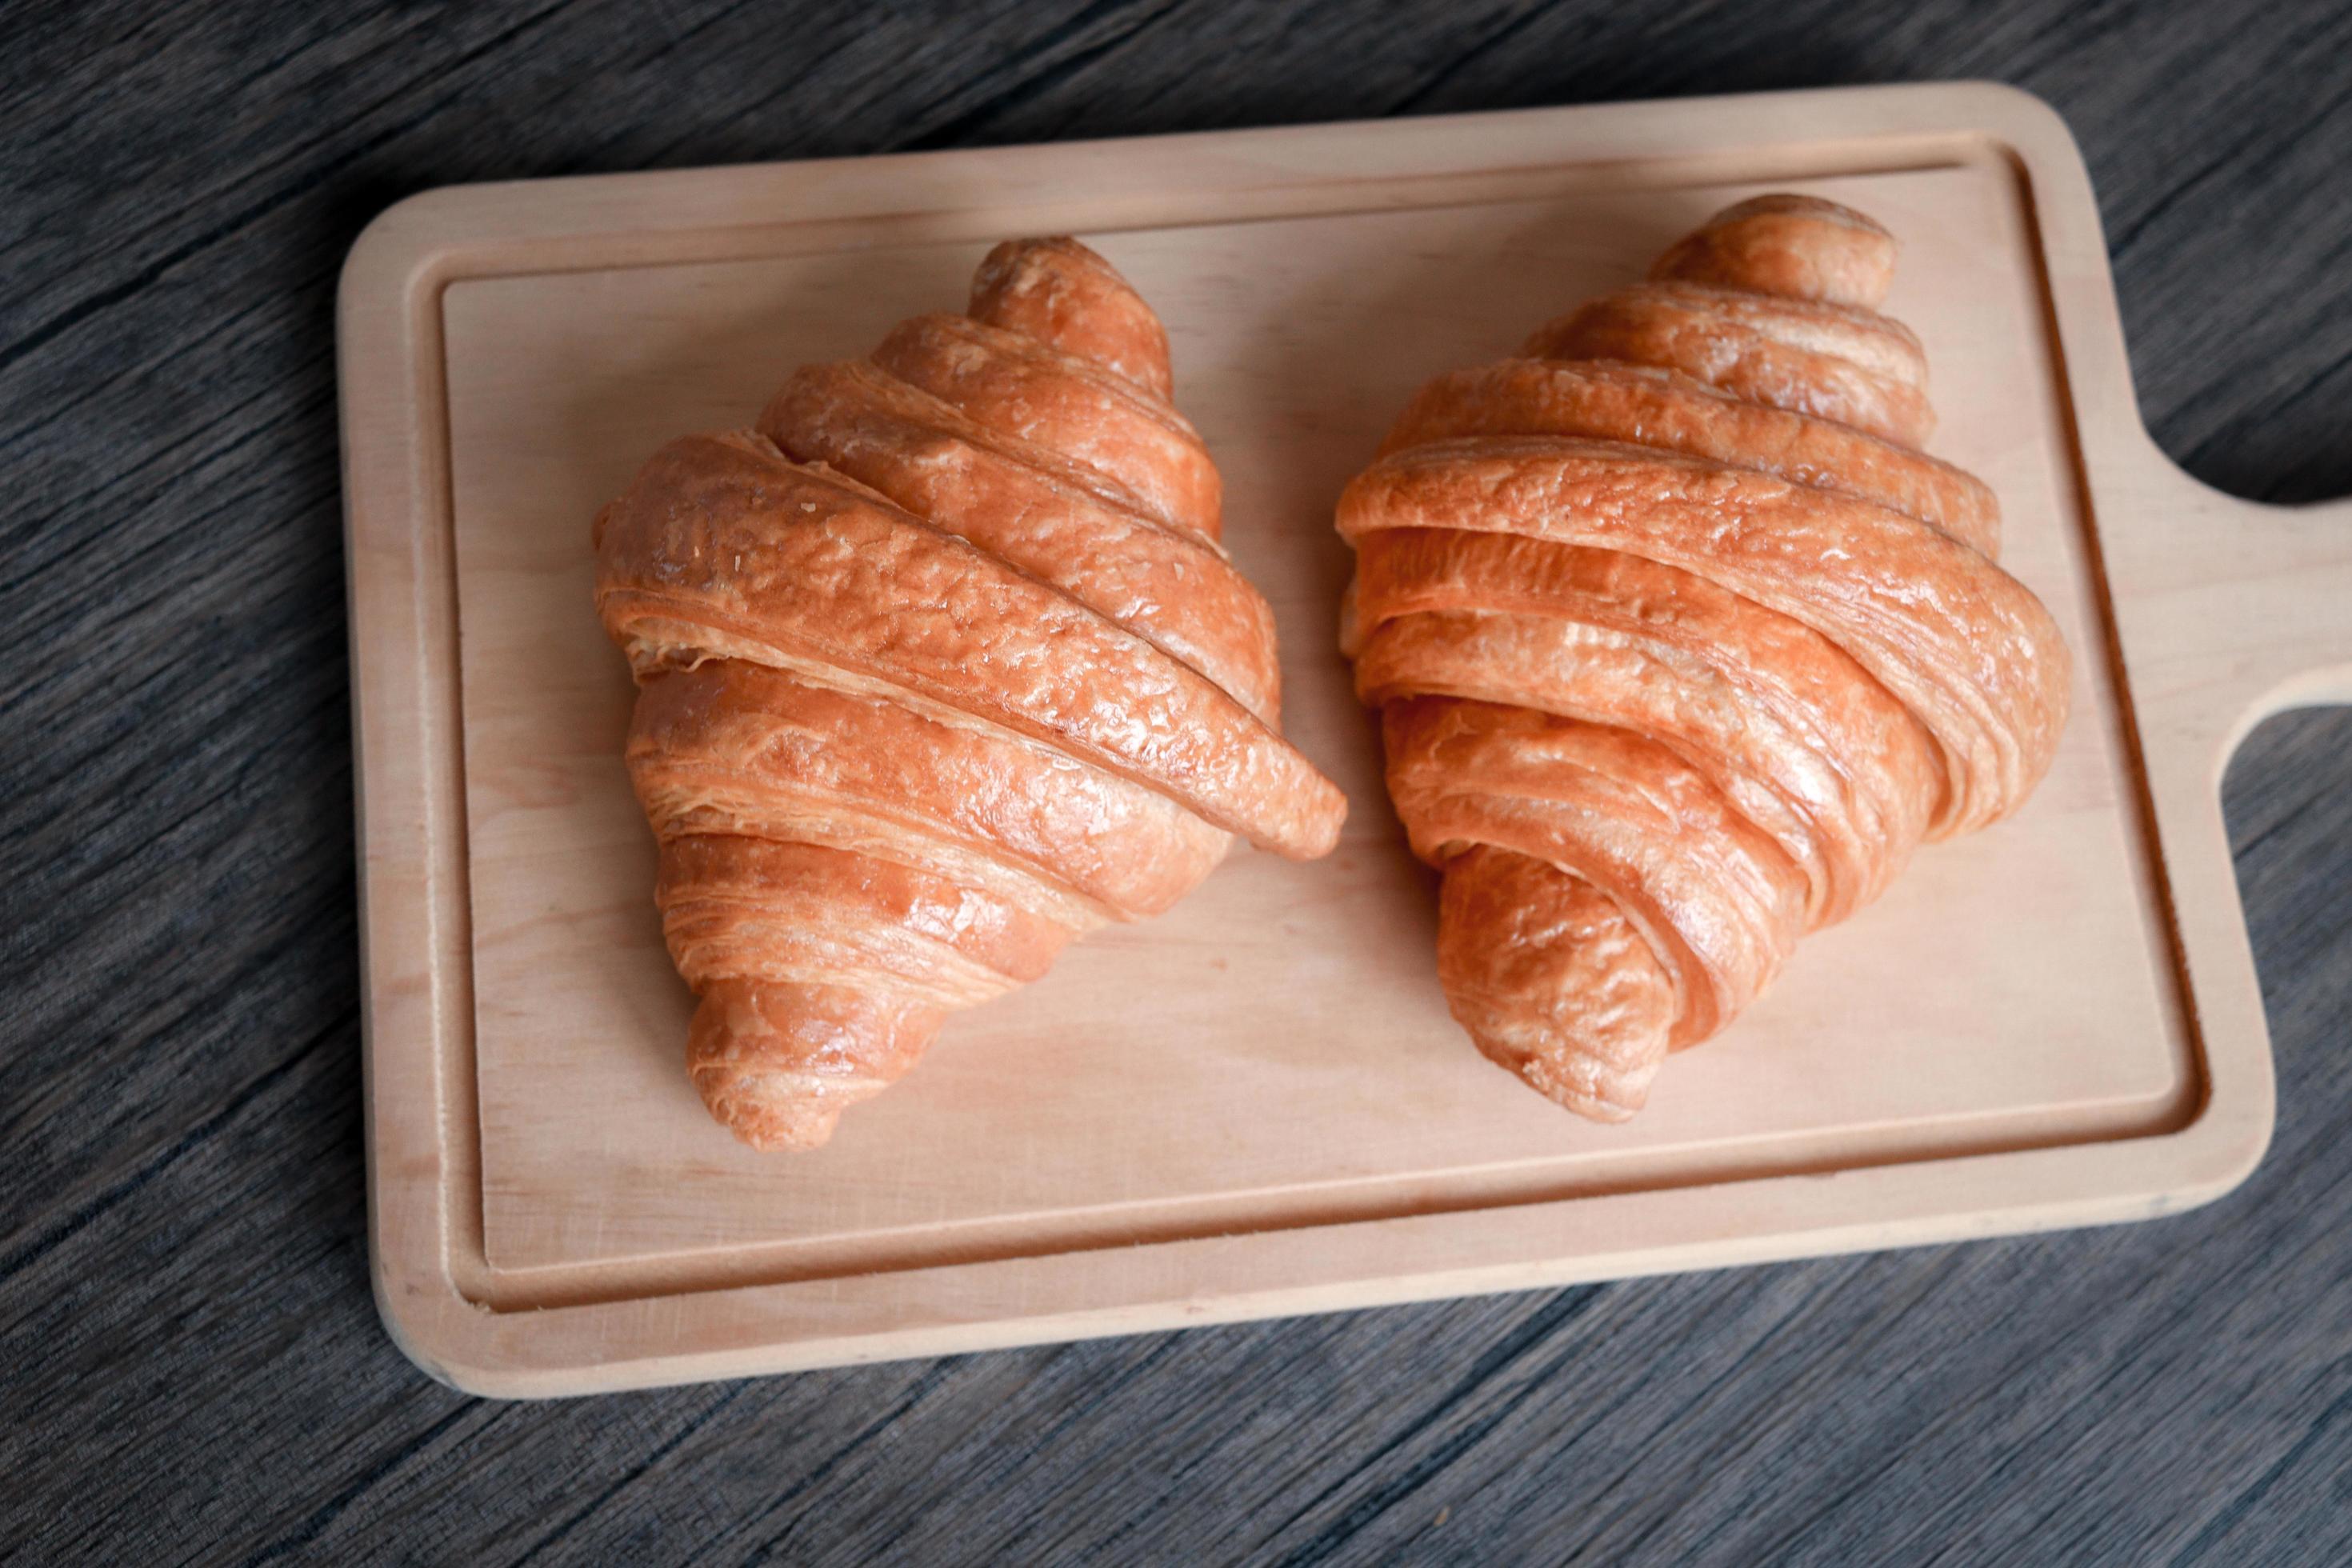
(1796, 247)
(783, 1125)
(788, 1142)
(777, 1063)
(1560, 1071)
(1588, 1094)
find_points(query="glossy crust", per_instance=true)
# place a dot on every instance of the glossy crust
(1681, 647)
(940, 668)
(1665, 409)
(1832, 361)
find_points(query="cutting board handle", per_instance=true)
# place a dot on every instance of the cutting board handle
(2300, 603)
(2231, 610)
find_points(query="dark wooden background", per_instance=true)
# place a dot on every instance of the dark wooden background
(190, 1365)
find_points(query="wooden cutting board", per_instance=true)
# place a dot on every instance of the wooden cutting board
(1255, 1105)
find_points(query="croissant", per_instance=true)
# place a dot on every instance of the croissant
(1681, 644)
(940, 668)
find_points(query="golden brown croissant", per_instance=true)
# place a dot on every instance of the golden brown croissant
(1681, 644)
(941, 668)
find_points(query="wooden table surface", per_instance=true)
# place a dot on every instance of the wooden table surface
(191, 1367)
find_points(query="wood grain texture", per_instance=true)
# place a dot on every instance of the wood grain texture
(189, 1362)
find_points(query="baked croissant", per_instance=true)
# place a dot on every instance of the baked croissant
(940, 668)
(1681, 644)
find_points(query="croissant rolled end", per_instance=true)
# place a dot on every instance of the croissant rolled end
(1574, 1083)
(765, 1116)
(1552, 982)
(1798, 246)
(1061, 292)
(778, 1064)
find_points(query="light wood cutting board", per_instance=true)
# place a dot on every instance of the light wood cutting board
(1255, 1105)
